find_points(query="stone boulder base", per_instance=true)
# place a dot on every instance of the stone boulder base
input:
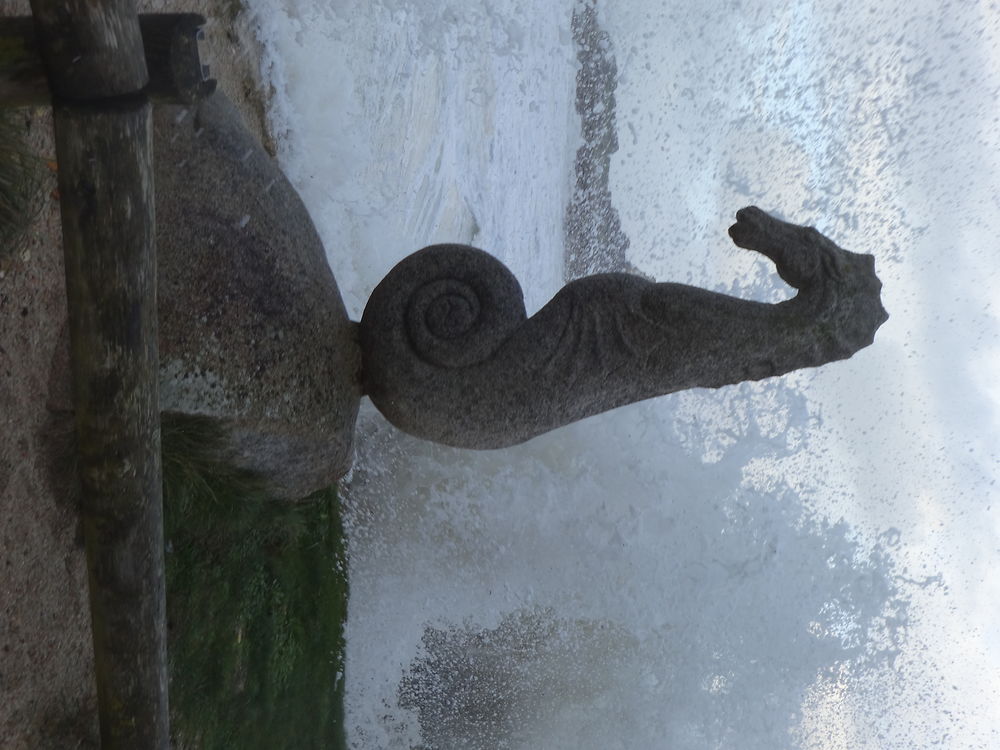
(253, 330)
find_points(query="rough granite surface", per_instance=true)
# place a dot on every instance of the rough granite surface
(450, 356)
(252, 328)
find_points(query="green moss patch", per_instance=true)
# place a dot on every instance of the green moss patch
(256, 602)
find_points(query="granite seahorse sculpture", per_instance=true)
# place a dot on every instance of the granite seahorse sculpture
(448, 353)
(255, 339)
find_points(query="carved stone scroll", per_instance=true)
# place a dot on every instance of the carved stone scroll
(448, 353)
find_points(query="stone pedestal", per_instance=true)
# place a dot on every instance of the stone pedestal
(253, 331)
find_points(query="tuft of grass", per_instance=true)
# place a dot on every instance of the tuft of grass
(256, 602)
(21, 180)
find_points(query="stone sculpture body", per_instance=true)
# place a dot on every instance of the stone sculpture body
(449, 355)
(253, 334)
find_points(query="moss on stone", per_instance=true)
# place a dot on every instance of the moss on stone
(256, 602)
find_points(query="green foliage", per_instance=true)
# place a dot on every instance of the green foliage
(256, 602)
(21, 179)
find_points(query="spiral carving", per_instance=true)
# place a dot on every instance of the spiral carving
(443, 319)
(456, 304)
